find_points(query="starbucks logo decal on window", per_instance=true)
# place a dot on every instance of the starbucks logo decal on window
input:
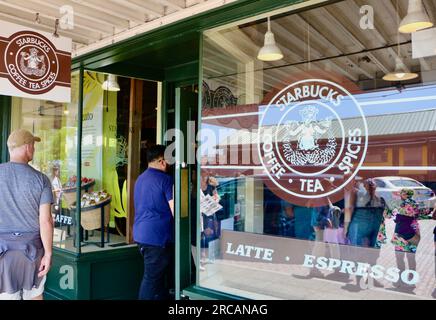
(312, 138)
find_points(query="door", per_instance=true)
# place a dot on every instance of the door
(186, 102)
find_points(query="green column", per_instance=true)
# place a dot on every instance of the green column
(5, 127)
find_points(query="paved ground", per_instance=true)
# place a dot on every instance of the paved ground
(280, 281)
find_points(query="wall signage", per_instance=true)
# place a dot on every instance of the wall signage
(304, 256)
(34, 64)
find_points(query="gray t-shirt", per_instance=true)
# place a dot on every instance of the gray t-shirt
(22, 190)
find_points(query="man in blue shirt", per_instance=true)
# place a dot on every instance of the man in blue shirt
(153, 228)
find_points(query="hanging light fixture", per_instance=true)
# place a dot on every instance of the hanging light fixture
(37, 18)
(416, 18)
(270, 51)
(111, 83)
(400, 73)
(55, 33)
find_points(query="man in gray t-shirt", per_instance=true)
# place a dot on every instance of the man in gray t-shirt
(22, 191)
(26, 223)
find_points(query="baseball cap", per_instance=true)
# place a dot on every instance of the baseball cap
(21, 137)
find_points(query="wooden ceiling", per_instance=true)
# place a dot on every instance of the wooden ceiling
(97, 20)
(329, 37)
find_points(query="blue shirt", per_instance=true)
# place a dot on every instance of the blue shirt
(154, 223)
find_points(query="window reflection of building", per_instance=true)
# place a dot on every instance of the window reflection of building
(399, 116)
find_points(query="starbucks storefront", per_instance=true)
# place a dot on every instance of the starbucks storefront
(303, 136)
(309, 138)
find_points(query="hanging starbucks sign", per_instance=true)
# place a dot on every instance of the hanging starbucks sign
(313, 139)
(34, 64)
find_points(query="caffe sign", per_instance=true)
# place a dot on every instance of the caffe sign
(34, 64)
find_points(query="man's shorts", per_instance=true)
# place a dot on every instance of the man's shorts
(25, 294)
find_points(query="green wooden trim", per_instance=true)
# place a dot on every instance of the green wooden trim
(199, 293)
(5, 126)
(72, 254)
(130, 250)
(177, 202)
(131, 70)
(184, 74)
(164, 110)
(79, 160)
(92, 272)
(199, 109)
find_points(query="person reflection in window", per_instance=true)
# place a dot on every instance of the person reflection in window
(406, 236)
(319, 221)
(295, 221)
(211, 226)
(286, 220)
(366, 210)
(56, 185)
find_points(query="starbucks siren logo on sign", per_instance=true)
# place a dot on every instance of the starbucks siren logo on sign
(31, 62)
(312, 134)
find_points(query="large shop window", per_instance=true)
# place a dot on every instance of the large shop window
(56, 154)
(119, 123)
(318, 171)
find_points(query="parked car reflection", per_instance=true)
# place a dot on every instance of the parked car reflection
(388, 188)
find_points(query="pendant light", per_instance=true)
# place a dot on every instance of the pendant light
(66, 111)
(270, 51)
(111, 83)
(400, 73)
(55, 32)
(416, 18)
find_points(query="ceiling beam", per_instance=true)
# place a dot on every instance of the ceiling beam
(77, 38)
(223, 42)
(174, 4)
(140, 8)
(149, 26)
(110, 10)
(297, 42)
(120, 24)
(292, 57)
(328, 15)
(299, 20)
(431, 9)
(249, 46)
(19, 6)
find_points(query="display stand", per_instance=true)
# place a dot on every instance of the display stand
(95, 217)
(69, 194)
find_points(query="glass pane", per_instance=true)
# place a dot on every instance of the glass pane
(109, 132)
(104, 161)
(288, 146)
(56, 154)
